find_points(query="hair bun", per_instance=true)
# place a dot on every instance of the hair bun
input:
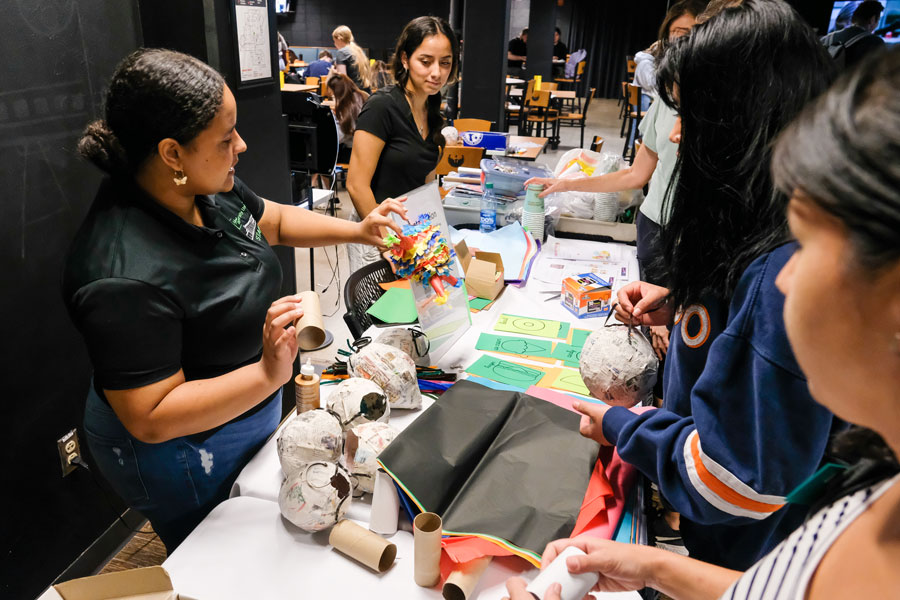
(99, 145)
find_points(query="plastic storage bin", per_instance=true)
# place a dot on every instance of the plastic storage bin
(509, 175)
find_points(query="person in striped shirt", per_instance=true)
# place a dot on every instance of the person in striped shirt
(840, 163)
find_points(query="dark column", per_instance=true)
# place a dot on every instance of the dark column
(485, 33)
(541, 23)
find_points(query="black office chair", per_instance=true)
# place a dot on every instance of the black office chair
(361, 292)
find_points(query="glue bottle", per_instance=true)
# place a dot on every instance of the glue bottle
(307, 388)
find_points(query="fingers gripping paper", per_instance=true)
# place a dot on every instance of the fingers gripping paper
(489, 453)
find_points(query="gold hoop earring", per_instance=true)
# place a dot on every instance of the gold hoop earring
(180, 180)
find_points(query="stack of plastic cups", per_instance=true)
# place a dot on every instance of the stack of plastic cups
(606, 206)
(533, 212)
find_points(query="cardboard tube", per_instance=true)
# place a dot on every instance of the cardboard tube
(310, 327)
(574, 587)
(427, 546)
(385, 505)
(464, 578)
(362, 545)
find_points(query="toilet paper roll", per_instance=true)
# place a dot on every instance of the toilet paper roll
(574, 587)
(462, 581)
(427, 546)
(385, 505)
(310, 327)
(362, 545)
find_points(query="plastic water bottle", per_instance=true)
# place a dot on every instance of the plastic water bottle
(488, 209)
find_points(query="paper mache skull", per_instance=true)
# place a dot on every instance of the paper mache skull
(364, 443)
(618, 365)
(315, 497)
(315, 435)
(390, 368)
(357, 400)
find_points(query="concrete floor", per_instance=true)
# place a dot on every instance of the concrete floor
(332, 268)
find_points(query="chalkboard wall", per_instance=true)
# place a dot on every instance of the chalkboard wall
(57, 58)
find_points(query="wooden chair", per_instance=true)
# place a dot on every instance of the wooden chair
(455, 157)
(538, 114)
(472, 125)
(597, 143)
(630, 66)
(323, 87)
(633, 118)
(573, 81)
(577, 119)
(312, 81)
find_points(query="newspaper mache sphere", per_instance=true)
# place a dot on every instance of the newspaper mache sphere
(364, 443)
(392, 369)
(310, 436)
(618, 365)
(357, 400)
(451, 135)
(411, 341)
(315, 497)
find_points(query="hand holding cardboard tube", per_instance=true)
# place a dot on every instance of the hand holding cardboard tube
(310, 327)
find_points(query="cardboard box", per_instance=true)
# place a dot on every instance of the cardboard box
(484, 271)
(586, 295)
(151, 583)
(489, 140)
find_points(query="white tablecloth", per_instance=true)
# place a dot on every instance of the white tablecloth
(245, 549)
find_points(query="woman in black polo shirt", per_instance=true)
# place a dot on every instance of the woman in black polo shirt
(398, 138)
(169, 279)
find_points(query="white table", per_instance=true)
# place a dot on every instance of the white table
(244, 548)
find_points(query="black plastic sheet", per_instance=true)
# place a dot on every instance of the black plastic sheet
(496, 463)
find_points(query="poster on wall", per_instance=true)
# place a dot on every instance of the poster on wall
(254, 55)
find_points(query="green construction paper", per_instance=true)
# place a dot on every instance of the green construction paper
(574, 365)
(528, 326)
(514, 345)
(567, 352)
(395, 306)
(506, 372)
(571, 382)
(479, 303)
(811, 490)
(579, 337)
(563, 330)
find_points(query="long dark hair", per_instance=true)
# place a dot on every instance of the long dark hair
(411, 38)
(348, 101)
(154, 94)
(675, 12)
(737, 80)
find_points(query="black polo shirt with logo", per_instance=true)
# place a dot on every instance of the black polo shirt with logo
(406, 159)
(152, 294)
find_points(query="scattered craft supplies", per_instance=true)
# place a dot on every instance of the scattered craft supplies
(396, 305)
(476, 304)
(486, 475)
(483, 272)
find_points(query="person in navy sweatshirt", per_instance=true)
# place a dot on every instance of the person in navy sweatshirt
(738, 429)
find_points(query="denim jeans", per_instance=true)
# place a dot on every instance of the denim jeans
(175, 483)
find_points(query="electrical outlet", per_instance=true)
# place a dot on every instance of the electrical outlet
(69, 449)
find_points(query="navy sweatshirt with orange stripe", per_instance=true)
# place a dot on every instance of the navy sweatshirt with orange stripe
(738, 430)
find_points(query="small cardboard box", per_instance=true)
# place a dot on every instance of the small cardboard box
(586, 295)
(484, 271)
(151, 583)
(489, 140)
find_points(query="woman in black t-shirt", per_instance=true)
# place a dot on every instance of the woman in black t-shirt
(169, 279)
(398, 138)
